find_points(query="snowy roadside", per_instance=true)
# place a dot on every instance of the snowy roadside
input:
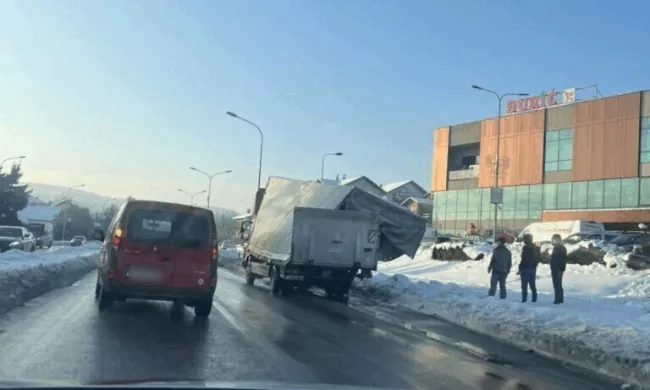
(603, 326)
(24, 275)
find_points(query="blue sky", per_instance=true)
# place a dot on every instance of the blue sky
(124, 96)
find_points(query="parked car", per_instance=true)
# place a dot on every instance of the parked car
(16, 237)
(159, 251)
(77, 241)
(605, 236)
(629, 240)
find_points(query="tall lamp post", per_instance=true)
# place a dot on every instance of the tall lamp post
(496, 157)
(65, 217)
(210, 177)
(2, 163)
(322, 164)
(191, 195)
(259, 172)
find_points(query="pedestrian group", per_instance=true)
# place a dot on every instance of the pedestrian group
(501, 264)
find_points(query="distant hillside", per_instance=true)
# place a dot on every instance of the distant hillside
(95, 202)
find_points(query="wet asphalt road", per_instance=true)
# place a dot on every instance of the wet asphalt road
(251, 336)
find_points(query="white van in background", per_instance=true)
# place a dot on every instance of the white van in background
(543, 231)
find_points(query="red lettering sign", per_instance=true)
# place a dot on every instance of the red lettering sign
(532, 103)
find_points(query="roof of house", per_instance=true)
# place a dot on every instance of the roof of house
(393, 186)
(422, 201)
(39, 213)
(358, 178)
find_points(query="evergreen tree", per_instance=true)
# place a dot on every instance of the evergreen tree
(13, 196)
(80, 222)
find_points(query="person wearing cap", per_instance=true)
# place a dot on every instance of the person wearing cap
(530, 255)
(558, 266)
(499, 267)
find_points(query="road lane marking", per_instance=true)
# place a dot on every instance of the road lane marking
(226, 314)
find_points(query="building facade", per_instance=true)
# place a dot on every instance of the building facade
(585, 160)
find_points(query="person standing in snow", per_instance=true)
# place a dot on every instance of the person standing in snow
(500, 268)
(558, 265)
(530, 255)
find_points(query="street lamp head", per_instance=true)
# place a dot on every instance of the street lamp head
(476, 86)
(338, 154)
(180, 190)
(21, 157)
(522, 94)
(232, 114)
(194, 169)
(228, 171)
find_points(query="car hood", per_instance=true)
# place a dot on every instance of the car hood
(9, 239)
(187, 384)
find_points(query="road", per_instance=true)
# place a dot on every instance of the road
(250, 336)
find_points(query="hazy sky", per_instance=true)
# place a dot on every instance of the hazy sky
(124, 96)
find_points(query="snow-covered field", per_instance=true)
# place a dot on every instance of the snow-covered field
(25, 275)
(603, 325)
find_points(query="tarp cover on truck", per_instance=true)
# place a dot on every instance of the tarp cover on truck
(401, 230)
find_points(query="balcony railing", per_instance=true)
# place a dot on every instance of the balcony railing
(470, 173)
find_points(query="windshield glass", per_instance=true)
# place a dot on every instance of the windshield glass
(624, 239)
(10, 232)
(36, 229)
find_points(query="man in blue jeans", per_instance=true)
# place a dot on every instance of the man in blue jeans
(530, 255)
(499, 268)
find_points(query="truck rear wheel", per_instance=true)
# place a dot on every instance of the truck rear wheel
(276, 282)
(250, 278)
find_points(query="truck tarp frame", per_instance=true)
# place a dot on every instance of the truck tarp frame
(401, 230)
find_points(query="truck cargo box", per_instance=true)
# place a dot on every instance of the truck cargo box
(271, 238)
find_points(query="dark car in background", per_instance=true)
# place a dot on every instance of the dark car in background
(16, 237)
(78, 241)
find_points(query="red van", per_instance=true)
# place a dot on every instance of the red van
(159, 251)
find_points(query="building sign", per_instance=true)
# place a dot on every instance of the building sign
(533, 102)
(569, 95)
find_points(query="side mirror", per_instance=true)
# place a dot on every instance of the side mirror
(98, 235)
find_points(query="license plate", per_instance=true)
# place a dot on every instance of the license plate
(144, 275)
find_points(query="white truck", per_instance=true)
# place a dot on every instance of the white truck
(311, 234)
(43, 231)
(543, 231)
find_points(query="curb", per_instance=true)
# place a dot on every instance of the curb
(27, 285)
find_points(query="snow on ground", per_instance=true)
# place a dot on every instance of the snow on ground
(25, 275)
(604, 323)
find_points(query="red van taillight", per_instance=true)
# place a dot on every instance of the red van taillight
(110, 274)
(117, 237)
(215, 253)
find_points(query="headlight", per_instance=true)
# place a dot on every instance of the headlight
(637, 249)
(15, 244)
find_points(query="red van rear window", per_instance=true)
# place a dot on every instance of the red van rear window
(173, 228)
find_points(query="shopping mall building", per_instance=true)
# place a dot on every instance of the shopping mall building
(560, 159)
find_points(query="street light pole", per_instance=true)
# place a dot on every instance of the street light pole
(65, 216)
(322, 164)
(496, 157)
(1, 180)
(259, 172)
(191, 195)
(210, 177)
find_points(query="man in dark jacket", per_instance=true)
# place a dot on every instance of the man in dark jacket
(500, 268)
(530, 255)
(558, 266)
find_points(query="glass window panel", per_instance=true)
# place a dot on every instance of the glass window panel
(535, 197)
(461, 215)
(461, 202)
(645, 157)
(630, 192)
(522, 198)
(507, 215)
(595, 199)
(550, 196)
(550, 166)
(645, 122)
(473, 200)
(552, 135)
(566, 134)
(564, 191)
(644, 192)
(535, 214)
(551, 152)
(565, 150)
(564, 165)
(485, 196)
(645, 140)
(579, 196)
(450, 210)
(509, 196)
(612, 193)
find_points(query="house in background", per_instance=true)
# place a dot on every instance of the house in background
(399, 192)
(420, 206)
(365, 184)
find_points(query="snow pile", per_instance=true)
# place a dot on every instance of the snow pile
(604, 323)
(25, 275)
